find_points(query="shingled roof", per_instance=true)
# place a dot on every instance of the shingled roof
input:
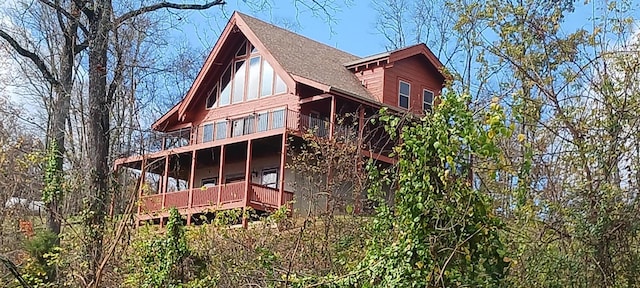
(307, 58)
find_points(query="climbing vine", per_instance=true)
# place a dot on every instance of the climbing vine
(52, 176)
(441, 231)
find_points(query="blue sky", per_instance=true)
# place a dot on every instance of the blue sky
(352, 28)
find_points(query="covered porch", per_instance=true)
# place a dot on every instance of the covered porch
(233, 175)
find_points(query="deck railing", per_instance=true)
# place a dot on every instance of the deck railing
(224, 196)
(236, 126)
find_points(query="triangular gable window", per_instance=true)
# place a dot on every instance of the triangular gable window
(249, 76)
(242, 50)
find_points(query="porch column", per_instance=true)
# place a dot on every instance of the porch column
(283, 160)
(332, 117)
(165, 182)
(359, 142)
(143, 176)
(220, 175)
(191, 178)
(247, 183)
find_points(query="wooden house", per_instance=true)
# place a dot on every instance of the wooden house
(224, 144)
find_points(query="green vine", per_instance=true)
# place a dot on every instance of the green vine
(52, 190)
(441, 231)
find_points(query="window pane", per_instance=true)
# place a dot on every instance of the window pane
(281, 87)
(238, 81)
(427, 99)
(404, 102)
(207, 133)
(221, 130)
(253, 49)
(270, 178)
(405, 88)
(242, 50)
(254, 78)
(277, 119)
(213, 96)
(237, 127)
(263, 121)
(267, 79)
(225, 92)
(248, 124)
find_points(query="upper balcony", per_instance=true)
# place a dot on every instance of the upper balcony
(240, 128)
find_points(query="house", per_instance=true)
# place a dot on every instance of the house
(223, 146)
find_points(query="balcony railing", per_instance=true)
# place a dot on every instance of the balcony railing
(225, 196)
(238, 126)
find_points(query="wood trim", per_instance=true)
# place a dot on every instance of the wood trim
(191, 179)
(220, 173)
(247, 182)
(314, 98)
(283, 160)
(332, 119)
(207, 64)
(143, 176)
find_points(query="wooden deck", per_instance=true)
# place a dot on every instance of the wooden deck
(221, 197)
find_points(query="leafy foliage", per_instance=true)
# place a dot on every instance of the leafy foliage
(441, 231)
(161, 261)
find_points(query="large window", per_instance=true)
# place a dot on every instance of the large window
(238, 81)
(277, 118)
(207, 133)
(263, 121)
(404, 92)
(213, 97)
(225, 87)
(267, 79)
(254, 78)
(427, 100)
(248, 77)
(221, 130)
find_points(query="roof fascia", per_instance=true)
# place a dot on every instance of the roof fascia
(207, 65)
(165, 117)
(419, 49)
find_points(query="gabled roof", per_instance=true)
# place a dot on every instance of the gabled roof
(399, 54)
(307, 58)
(297, 59)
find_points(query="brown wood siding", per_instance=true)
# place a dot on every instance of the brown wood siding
(372, 79)
(417, 72)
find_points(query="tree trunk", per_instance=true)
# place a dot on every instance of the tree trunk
(98, 136)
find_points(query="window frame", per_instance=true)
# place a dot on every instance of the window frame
(274, 169)
(213, 132)
(433, 95)
(400, 94)
(246, 57)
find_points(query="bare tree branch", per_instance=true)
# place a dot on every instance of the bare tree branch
(66, 14)
(40, 64)
(154, 7)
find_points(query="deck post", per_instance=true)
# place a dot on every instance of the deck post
(247, 183)
(283, 162)
(220, 175)
(359, 142)
(165, 182)
(332, 117)
(143, 175)
(191, 185)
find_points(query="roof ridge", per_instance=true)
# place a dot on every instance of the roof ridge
(294, 33)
